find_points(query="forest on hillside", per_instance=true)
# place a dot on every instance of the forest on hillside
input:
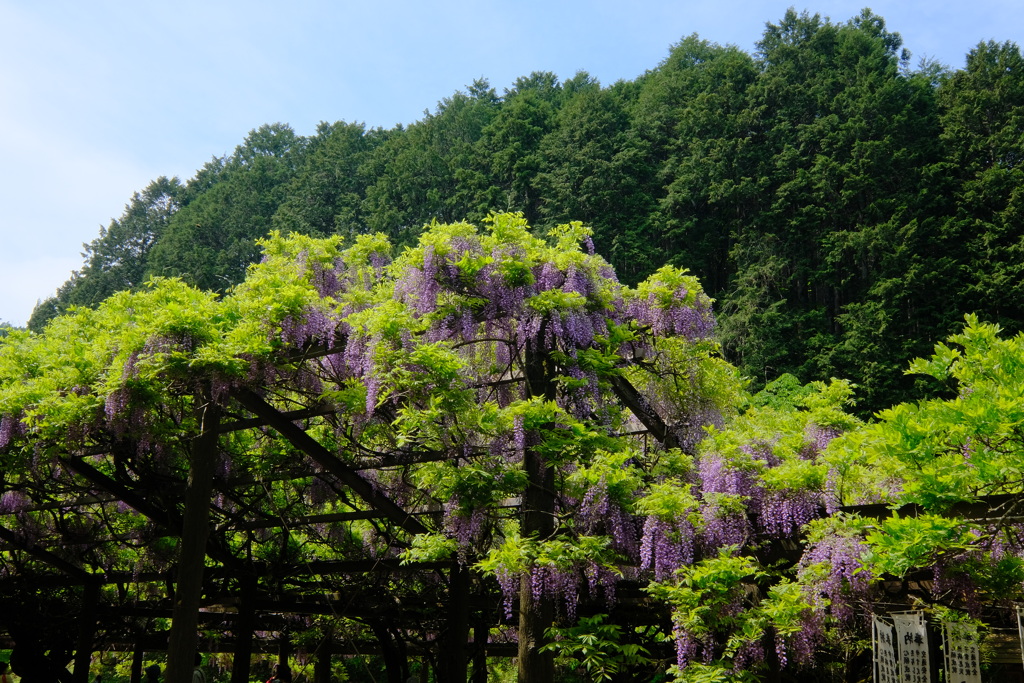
(844, 208)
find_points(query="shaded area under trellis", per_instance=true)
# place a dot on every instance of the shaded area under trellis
(343, 589)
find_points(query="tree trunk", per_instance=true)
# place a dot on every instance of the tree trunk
(538, 521)
(181, 646)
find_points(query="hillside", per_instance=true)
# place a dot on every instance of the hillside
(843, 207)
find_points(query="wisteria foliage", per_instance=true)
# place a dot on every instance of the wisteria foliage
(436, 370)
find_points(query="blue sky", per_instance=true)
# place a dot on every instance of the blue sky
(97, 99)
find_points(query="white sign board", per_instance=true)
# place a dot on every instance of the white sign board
(962, 654)
(883, 640)
(912, 642)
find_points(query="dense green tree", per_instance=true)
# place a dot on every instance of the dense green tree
(593, 170)
(835, 116)
(212, 240)
(508, 151)
(958, 248)
(694, 111)
(983, 139)
(427, 172)
(578, 151)
(325, 197)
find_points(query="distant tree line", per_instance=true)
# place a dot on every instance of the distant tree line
(843, 208)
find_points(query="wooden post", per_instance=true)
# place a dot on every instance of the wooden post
(181, 646)
(322, 669)
(284, 649)
(480, 635)
(86, 633)
(452, 660)
(396, 665)
(241, 664)
(137, 656)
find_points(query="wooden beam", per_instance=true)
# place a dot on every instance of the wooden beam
(330, 462)
(239, 425)
(130, 498)
(277, 522)
(170, 520)
(643, 411)
(1007, 507)
(45, 556)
